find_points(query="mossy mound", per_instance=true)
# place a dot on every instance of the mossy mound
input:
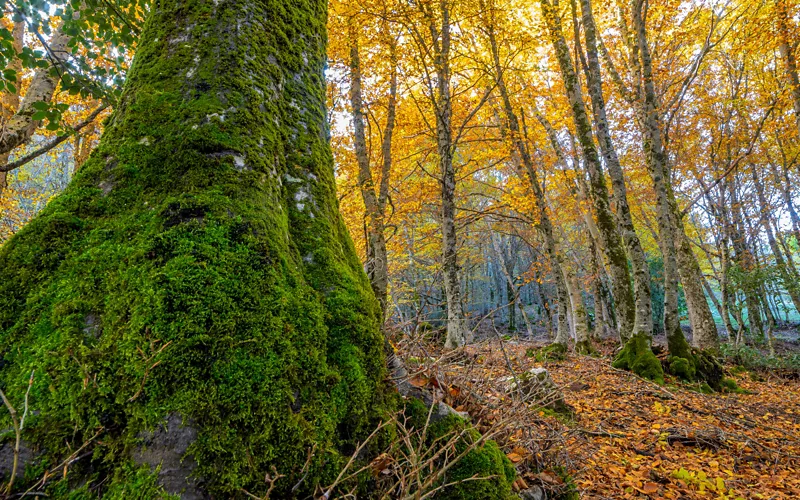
(553, 352)
(637, 357)
(197, 266)
(693, 365)
(486, 460)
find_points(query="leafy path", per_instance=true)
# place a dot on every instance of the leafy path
(631, 438)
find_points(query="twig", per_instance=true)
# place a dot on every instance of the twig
(19, 424)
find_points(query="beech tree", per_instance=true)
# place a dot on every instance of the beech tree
(195, 286)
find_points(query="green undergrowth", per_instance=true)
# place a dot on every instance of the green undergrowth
(486, 460)
(570, 490)
(637, 357)
(587, 348)
(753, 359)
(552, 352)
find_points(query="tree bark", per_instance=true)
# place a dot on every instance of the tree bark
(20, 127)
(457, 331)
(622, 289)
(545, 226)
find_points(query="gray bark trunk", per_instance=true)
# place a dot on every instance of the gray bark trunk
(377, 263)
(11, 99)
(457, 331)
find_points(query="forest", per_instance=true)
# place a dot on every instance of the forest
(414, 249)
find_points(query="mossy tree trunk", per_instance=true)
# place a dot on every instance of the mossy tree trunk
(622, 288)
(643, 318)
(197, 267)
(685, 362)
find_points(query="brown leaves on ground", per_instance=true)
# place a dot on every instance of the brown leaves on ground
(630, 438)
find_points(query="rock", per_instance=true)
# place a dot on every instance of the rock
(167, 446)
(537, 387)
(26, 456)
(535, 493)
(443, 410)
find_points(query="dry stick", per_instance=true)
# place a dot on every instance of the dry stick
(271, 480)
(63, 465)
(19, 424)
(508, 361)
(147, 368)
(330, 488)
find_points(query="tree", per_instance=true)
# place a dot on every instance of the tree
(195, 282)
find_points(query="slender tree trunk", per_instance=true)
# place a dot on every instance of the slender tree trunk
(643, 322)
(11, 99)
(377, 262)
(580, 318)
(680, 353)
(622, 288)
(523, 156)
(457, 331)
(745, 261)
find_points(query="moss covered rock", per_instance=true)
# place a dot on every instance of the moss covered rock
(486, 460)
(197, 265)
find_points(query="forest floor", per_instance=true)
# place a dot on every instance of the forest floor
(627, 437)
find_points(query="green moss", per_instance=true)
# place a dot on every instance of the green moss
(553, 352)
(694, 365)
(637, 357)
(681, 367)
(197, 264)
(730, 385)
(586, 347)
(486, 460)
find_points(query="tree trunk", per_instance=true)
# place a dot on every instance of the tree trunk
(682, 361)
(622, 289)
(11, 99)
(457, 331)
(704, 329)
(377, 267)
(20, 127)
(195, 286)
(545, 226)
(786, 49)
(746, 263)
(643, 322)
